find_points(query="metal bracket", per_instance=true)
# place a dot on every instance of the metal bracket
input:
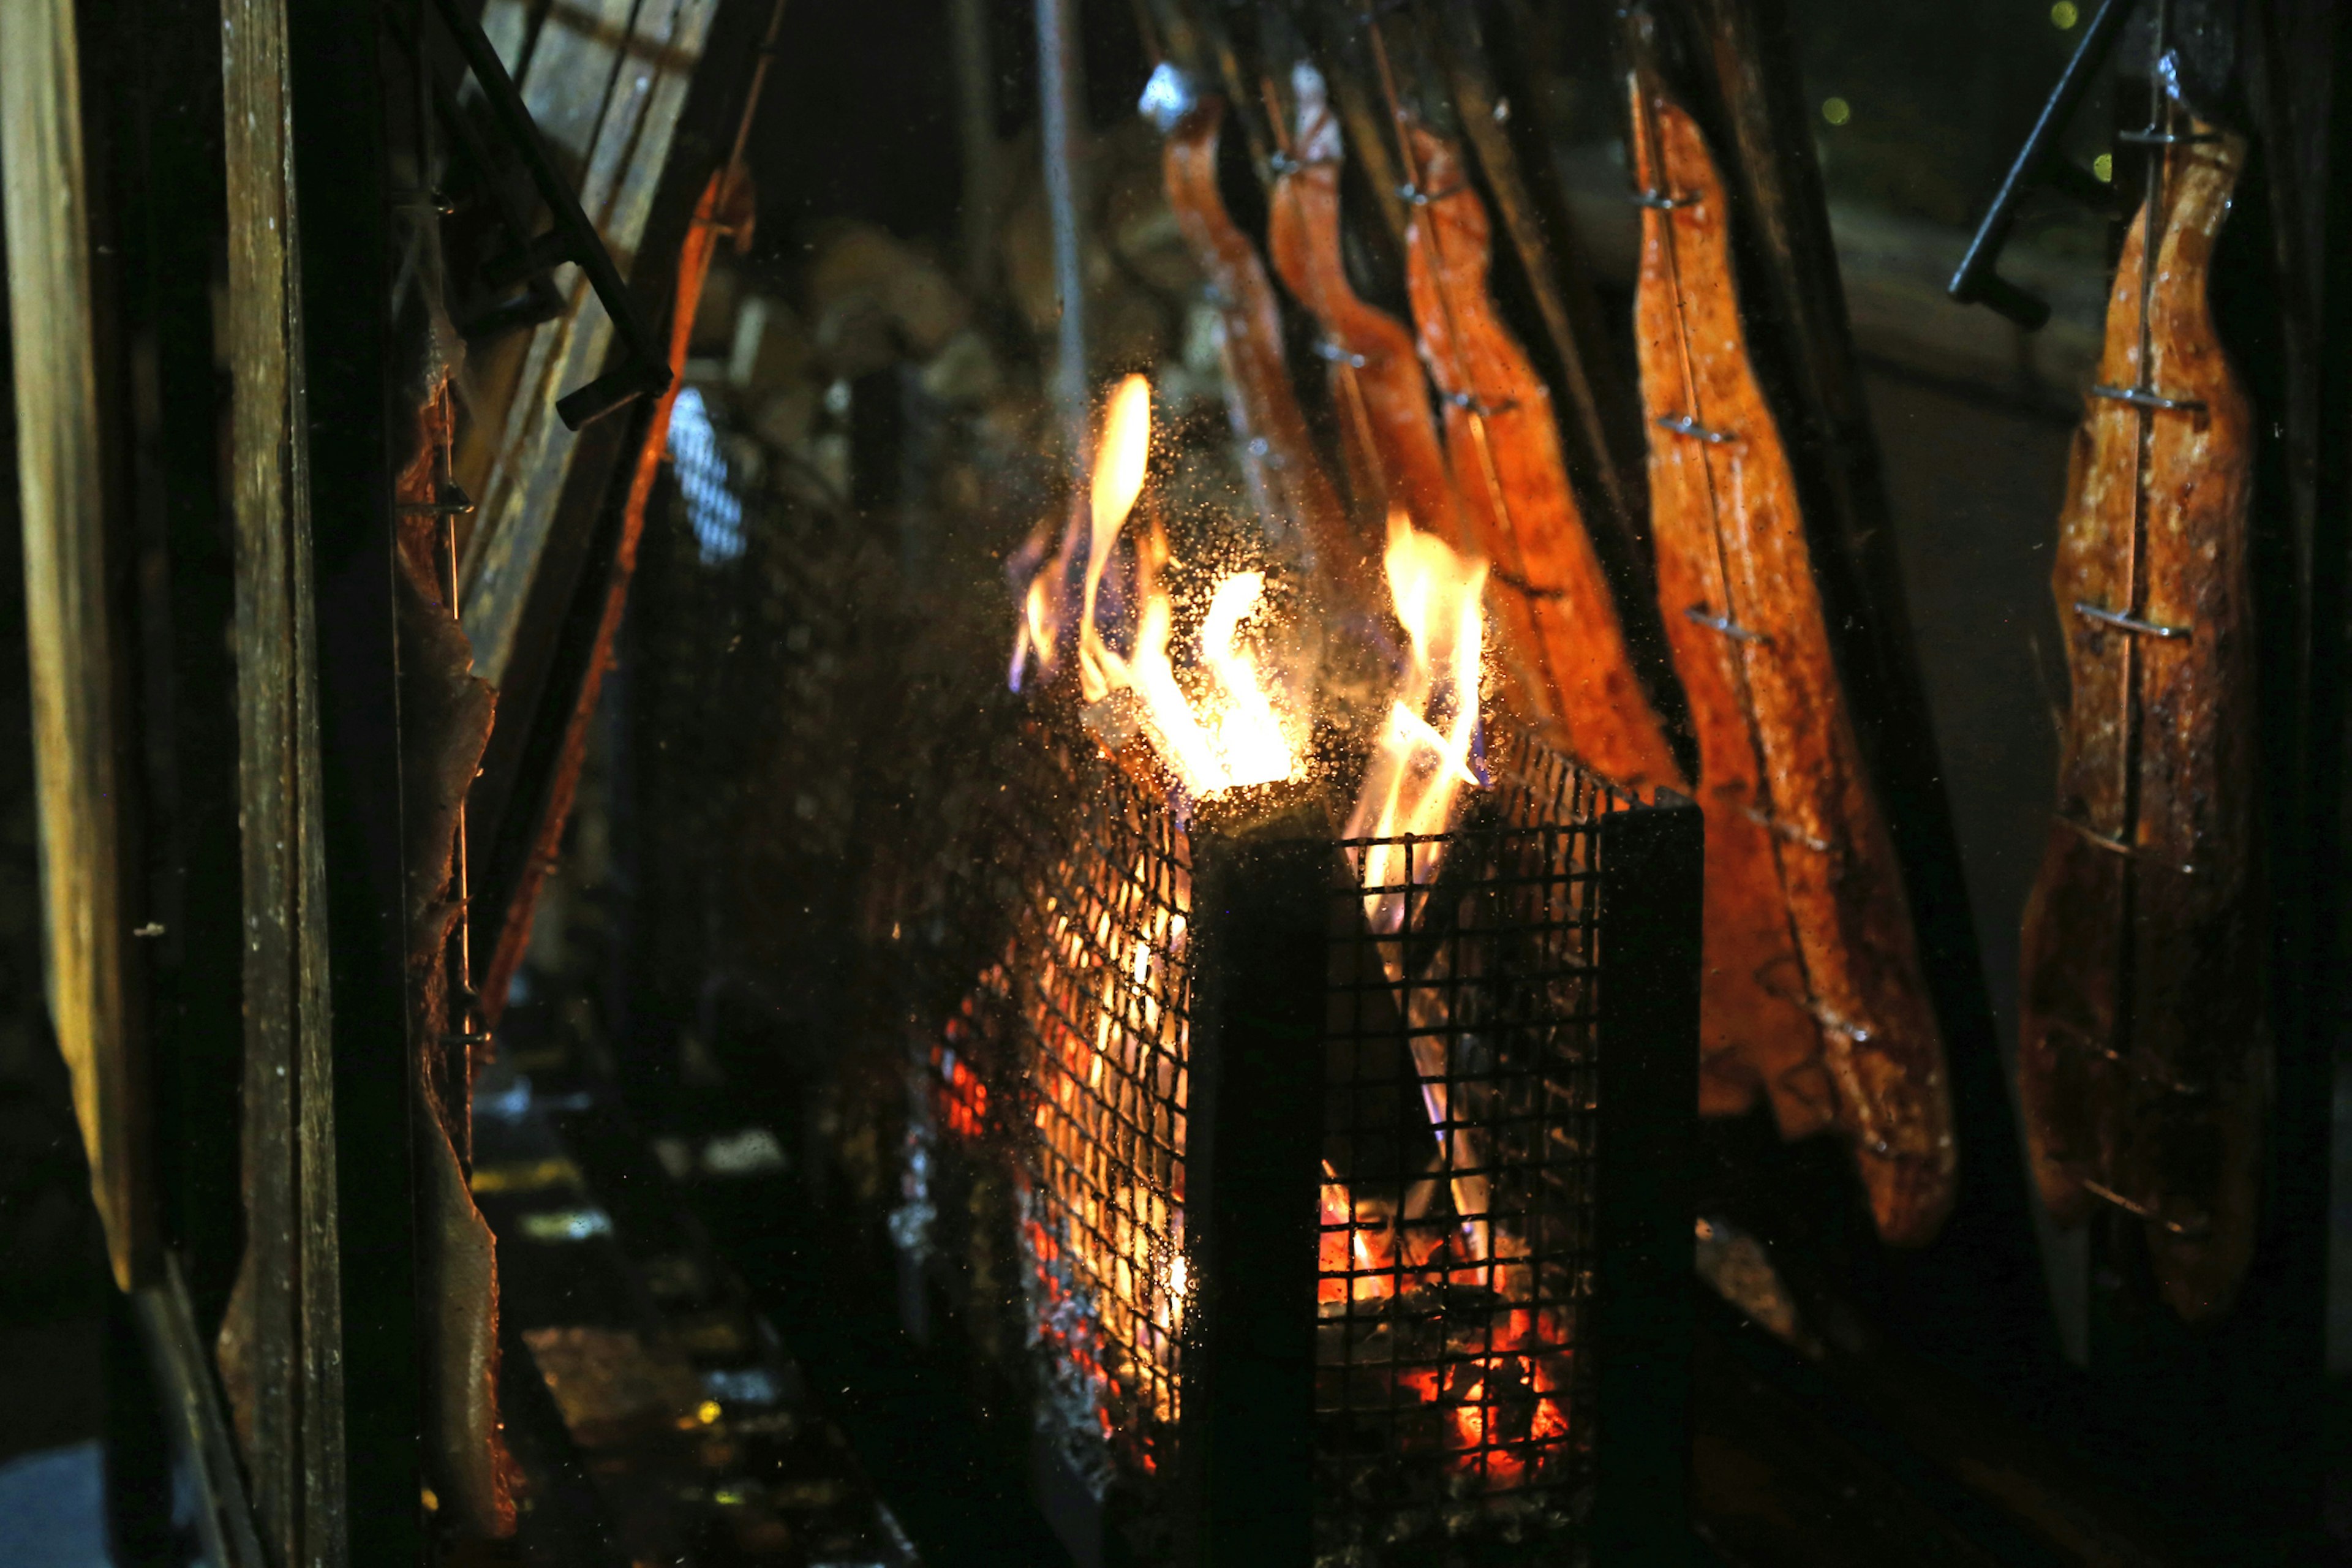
(642, 372)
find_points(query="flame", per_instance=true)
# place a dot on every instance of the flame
(1233, 734)
(1420, 767)
(1120, 456)
(1410, 788)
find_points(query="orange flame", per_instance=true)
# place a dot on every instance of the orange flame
(1420, 767)
(1410, 788)
(1233, 734)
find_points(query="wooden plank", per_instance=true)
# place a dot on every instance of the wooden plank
(76, 744)
(282, 1347)
(622, 140)
(564, 640)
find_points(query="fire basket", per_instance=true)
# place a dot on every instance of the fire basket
(1349, 1176)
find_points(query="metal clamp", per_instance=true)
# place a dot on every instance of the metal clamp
(1684, 424)
(1724, 625)
(1659, 202)
(2147, 397)
(2122, 622)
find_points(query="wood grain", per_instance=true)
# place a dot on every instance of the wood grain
(280, 1346)
(1813, 992)
(2143, 1057)
(61, 486)
(1560, 627)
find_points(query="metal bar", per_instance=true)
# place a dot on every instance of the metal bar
(1978, 282)
(354, 1064)
(1059, 112)
(976, 139)
(1650, 863)
(643, 372)
(287, 1310)
(196, 1427)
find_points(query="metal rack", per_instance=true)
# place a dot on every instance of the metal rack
(1330, 1240)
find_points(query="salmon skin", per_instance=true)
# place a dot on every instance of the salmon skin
(1278, 458)
(1561, 624)
(1812, 994)
(2144, 1060)
(1387, 432)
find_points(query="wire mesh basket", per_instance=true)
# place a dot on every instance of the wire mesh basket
(1315, 1147)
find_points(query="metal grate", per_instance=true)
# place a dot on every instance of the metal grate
(1101, 995)
(1452, 1299)
(1460, 1095)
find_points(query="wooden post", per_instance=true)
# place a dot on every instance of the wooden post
(77, 744)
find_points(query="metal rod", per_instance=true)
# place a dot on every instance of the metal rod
(1059, 101)
(1684, 424)
(1977, 282)
(1724, 625)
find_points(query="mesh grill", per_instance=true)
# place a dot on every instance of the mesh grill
(1102, 991)
(1458, 1106)
(1459, 1099)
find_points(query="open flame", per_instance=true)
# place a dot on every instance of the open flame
(1423, 758)
(1116, 1274)
(1415, 776)
(1231, 733)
